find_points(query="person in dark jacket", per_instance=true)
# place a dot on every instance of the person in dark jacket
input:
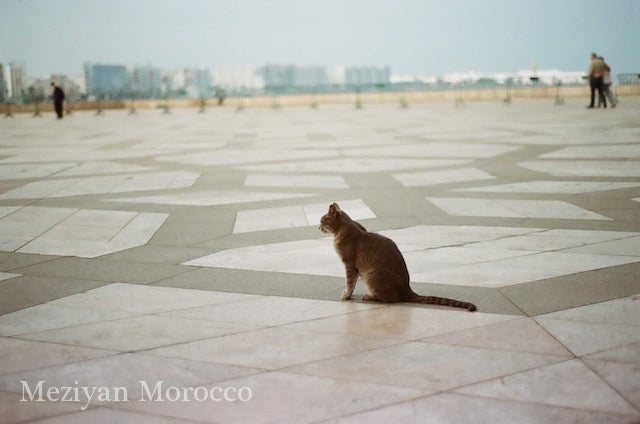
(58, 99)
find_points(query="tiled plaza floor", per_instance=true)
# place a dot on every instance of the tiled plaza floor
(169, 268)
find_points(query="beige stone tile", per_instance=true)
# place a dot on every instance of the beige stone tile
(19, 355)
(271, 310)
(570, 384)
(430, 367)
(283, 397)
(138, 333)
(518, 335)
(271, 348)
(402, 322)
(451, 408)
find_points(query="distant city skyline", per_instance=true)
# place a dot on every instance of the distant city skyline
(412, 37)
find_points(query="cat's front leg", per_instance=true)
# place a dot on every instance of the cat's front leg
(352, 278)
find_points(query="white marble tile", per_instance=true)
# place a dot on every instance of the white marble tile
(21, 355)
(518, 335)
(552, 187)
(270, 310)
(103, 185)
(212, 198)
(269, 219)
(285, 398)
(430, 367)
(510, 258)
(110, 416)
(402, 322)
(612, 151)
(278, 347)
(434, 150)
(625, 246)
(569, 384)
(19, 171)
(549, 209)
(353, 165)
(452, 408)
(50, 316)
(486, 274)
(292, 180)
(623, 377)
(137, 333)
(624, 311)
(565, 263)
(7, 275)
(279, 257)
(629, 354)
(15, 411)
(462, 255)
(294, 216)
(141, 299)
(237, 157)
(561, 239)
(101, 167)
(585, 168)
(428, 178)
(92, 233)
(125, 370)
(586, 338)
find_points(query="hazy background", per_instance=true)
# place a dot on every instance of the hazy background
(411, 36)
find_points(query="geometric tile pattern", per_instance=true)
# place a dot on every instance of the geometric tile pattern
(103, 185)
(552, 187)
(585, 168)
(353, 165)
(294, 216)
(442, 177)
(545, 209)
(469, 256)
(211, 198)
(306, 181)
(553, 193)
(75, 232)
(302, 348)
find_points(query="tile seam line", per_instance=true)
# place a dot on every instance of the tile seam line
(75, 211)
(631, 402)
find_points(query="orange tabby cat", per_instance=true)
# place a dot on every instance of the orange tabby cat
(377, 260)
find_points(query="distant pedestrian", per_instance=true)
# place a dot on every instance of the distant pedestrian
(58, 100)
(606, 87)
(596, 72)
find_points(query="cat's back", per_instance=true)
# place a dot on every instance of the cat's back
(381, 249)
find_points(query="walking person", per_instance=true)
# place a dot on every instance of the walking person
(596, 72)
(58, 100)
(606, 87)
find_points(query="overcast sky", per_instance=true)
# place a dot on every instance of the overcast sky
(431, 37)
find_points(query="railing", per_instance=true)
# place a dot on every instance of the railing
(458, 94)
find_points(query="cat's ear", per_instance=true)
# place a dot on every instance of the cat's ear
(334, 209)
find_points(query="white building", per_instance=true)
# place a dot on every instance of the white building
(237, 77)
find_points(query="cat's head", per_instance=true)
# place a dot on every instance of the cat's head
(330, 222)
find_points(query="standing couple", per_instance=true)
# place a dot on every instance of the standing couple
(600, 81)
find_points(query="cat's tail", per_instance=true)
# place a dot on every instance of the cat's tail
(433, 300)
